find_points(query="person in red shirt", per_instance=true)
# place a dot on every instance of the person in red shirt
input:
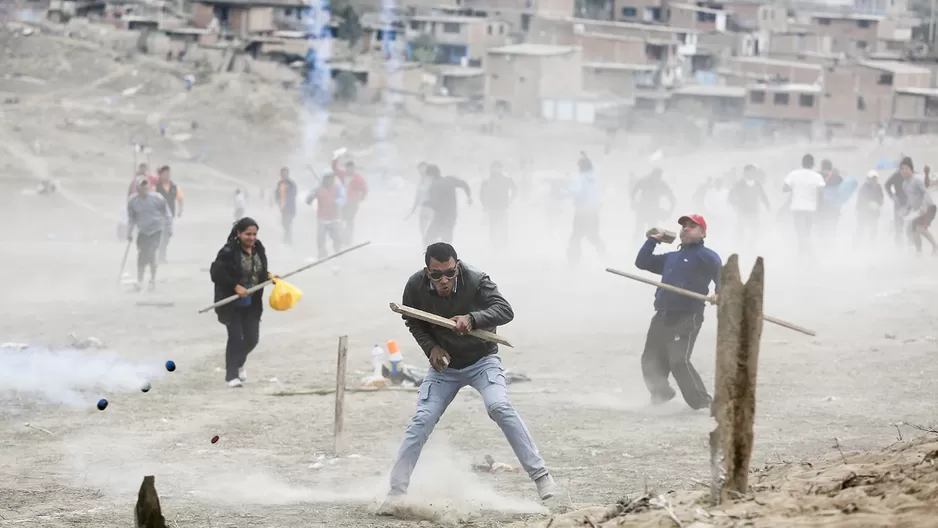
(356, 192)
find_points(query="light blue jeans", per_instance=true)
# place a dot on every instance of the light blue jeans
(436, 393)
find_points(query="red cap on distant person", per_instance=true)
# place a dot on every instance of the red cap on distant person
(697, 219)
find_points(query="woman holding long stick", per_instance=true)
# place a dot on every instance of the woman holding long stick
(241, 263)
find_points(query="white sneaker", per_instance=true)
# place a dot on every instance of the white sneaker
(235, 383)
(546, 487)
(242, 374)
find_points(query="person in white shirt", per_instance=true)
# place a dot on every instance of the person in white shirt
(804, 185)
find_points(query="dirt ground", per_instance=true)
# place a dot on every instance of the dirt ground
(578, 332)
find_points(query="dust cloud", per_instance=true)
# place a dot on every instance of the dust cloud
(76, 378)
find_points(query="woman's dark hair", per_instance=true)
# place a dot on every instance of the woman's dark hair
(241, 226)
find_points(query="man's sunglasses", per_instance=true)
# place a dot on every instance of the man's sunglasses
(439, 274)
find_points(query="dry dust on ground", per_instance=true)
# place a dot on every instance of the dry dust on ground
(578, 333)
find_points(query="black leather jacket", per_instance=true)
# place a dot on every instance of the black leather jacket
(474, 295)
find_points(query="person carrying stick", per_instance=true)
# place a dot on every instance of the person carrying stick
(240, 264)
(452, 289)
(678, 318)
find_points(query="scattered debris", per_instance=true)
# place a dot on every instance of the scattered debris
(829, 491)
(82, 344)
(48, 432)
(491, 466)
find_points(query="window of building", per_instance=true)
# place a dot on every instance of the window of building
(861, 44)
(501, 30)
(449, 27)
(629, 12)
(885, 79)
(414, 25)
(490, 30)
(805, 100)
(824, 21)
(781, 99)
(861, 103)
(863, 23)
(756, 97)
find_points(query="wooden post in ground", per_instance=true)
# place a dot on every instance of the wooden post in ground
(339, 425)
(739, 329)
(147, 513)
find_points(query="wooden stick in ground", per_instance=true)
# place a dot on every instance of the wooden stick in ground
(729, 323)
(339, 425)
(695, 295)
(428, 317)
(266, 283)
(739, 330)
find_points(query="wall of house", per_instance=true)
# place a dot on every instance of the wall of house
(603, 48)
(238, 20)
(514, 80)
(260, 19)
(839, 102)
(554, 7)
(912, 80)
(561, 75)
(772, 107)
(202, 15)
(792, 43)
(908, 106)
(796, 73)
(772, 18)
(688, 19)
(847, 35)
(635, 10)
(877, 95)
(617, 82)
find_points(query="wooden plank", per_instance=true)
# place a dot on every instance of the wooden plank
(698, 296)
(414, 313)
(729, 323)
(338, 430)
(147, 512)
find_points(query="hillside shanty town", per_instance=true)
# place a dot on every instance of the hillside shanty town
(811, 68)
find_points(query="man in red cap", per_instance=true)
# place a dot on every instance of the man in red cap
(678, 318)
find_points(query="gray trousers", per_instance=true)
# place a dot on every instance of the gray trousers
(436, 393)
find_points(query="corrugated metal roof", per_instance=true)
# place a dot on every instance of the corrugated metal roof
(927, 92)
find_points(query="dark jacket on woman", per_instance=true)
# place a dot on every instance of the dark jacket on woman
(226, 274)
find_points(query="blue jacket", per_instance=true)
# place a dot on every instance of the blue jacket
(692, 267)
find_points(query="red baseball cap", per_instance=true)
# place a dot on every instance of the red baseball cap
(697, 219)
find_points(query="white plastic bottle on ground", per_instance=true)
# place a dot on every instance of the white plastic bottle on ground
(377, 360)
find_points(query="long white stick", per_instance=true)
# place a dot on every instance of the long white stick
(266, 283)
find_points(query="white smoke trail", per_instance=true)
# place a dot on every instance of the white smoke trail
(69, 376)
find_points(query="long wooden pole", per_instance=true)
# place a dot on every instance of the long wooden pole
(338, 429)
(266, 283)
(701, 297)
(414, 313)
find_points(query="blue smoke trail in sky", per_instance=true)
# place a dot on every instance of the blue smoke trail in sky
(316, 92)
(386, 152)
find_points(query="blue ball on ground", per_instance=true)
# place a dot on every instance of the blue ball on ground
(170, 365)
(102, 404)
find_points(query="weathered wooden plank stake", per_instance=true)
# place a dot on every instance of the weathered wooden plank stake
(739, 329)
(339, 425)
(147, 513)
